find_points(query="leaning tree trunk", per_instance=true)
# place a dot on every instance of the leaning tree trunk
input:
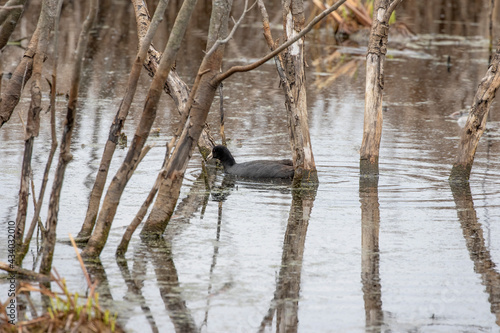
(203, 93)
(100, 235)
(476, 122)
(293, 83)
(65, 153)
(375, 59)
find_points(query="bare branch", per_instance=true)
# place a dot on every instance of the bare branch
(261, 61)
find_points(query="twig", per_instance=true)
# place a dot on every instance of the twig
(246, 68)
(22, 121)
(11, 7)
(82, 265)
(231, 34)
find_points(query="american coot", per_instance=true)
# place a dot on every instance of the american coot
(253, 169)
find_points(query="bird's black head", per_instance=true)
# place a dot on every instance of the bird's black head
(224, 155)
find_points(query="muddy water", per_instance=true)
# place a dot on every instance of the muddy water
(406, 254)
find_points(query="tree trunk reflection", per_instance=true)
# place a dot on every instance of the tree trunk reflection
(370, 254)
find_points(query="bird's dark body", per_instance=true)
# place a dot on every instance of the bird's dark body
(253, 169)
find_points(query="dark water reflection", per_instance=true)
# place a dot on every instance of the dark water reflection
(243, 256)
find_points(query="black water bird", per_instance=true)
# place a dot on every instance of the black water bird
(252, 169)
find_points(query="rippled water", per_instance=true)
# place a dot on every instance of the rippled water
(406, 255)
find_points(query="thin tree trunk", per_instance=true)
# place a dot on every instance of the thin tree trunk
(295, 93)
(99, 236)
(118, 123)
(375, 59)
(476, 122)
(45, 25)
(53, 88)
(65, 153)
(203, 93)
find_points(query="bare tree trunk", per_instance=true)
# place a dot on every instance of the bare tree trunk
(375, 59)
(203, 93)
(65, 153)
(34, 222)
(45, 25)
(293, 81)
(116, 127)
(295, 93)
(99, 236)
(476, 122)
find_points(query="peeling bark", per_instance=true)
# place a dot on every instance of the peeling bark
(293, 63)
(375, 59)
(290, 66)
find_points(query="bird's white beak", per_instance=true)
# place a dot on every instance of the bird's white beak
(210, 156)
